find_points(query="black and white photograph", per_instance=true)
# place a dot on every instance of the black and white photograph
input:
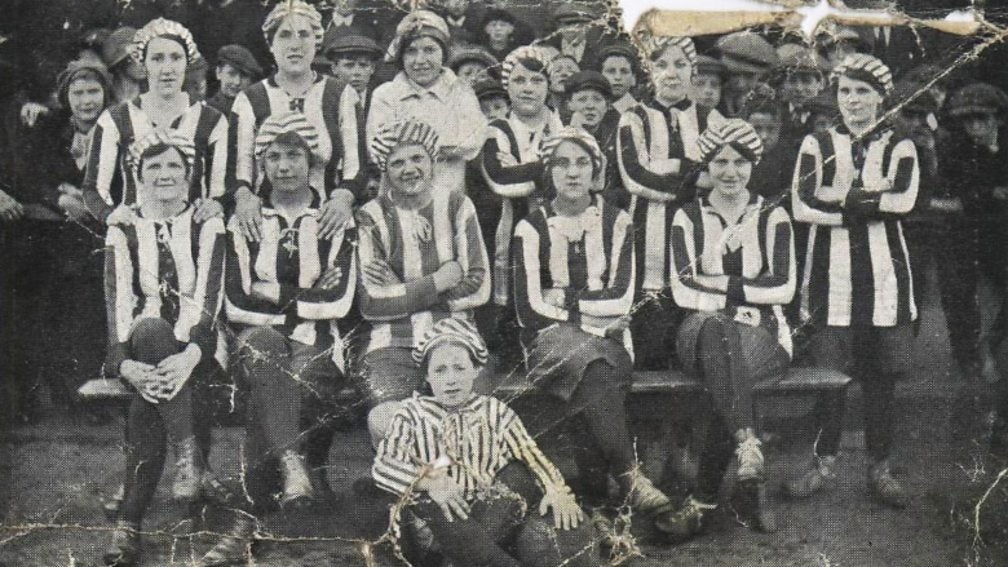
(503, 283)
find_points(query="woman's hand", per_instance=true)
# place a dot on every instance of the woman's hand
(506, 159)
(450, 153)
(207, 209)
(336, 211)
(330, 279)
(248, 212)
(71, 200)
(379, 273)
(121, 215)
(31, 111)
(448, 495)
(10, 209)
(176, 369)
(616, 328)
(266, 291)
(141, 376)
(567, 515)
(556, 297)
(448, 276)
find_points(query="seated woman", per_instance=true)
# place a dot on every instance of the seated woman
(422, 259)
(734, 261)
(573, 291)
(288, 290)
(163, 274)
(474, 489)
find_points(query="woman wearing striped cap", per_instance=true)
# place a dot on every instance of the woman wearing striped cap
(165, 48)
(852, 185)
(733, 270)
(163, 274)
(422, 259)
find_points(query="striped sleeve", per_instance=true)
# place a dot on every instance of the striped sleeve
(241, 145)
(120, 299)
(209, 285)
(686, 290)
(808, 178)
(395, 467)
(239, 304)
(216, 158)
(520, 446)
(507, 181)
(102, 165)
(532, 309)
(471, 253)
(644, 175)
(776, 285)
(393, 301)
(328, 303)
(904, 173)
(616, 298)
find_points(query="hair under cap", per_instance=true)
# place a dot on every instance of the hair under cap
(977, 98)
(82, 68)
(734, 132)
(161, 27)
(287, 8)
(417, 24)
(517, 54)
(161, 136)
(579, 136)
(451, 330)
(863, 67)
(291, 123)
(394, 134)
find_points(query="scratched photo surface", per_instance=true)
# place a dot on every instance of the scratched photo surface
(503, 282)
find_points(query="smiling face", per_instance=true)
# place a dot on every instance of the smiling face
(571, 171)
(286, 166)
(232, 81)
(672, 73)
(730, 171)
(859, 102)
(293, 45)
(409, 170)
(451, 374)
(355, 70)
(591, 104)
(422, 60)
(165, 62)
(527, 90)
(164, 176)
(87, 99)
(619, 72)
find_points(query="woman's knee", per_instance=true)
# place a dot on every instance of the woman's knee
(153, 339)
(713, 335)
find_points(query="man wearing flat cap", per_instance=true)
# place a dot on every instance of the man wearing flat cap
(236, 69)
(799, 77)
(618, 63)
(589, 98)
(747, 58)
(579, 32)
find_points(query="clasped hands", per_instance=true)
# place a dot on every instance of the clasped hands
(164, 380)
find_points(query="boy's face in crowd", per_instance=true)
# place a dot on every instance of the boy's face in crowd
(354, 70)
(527, 90)
(672, 73)
(768, 126)
(840, 50)
(730, 171)
(293, 45)
(165, 61)
(981, 127)
(495, 107)
(706, 89)
(859, 102)
(87, 98)
(469, 71)
(286, 166)
(801, 87)
(571, 171)
(130, 68)
(196, 86)
(619, 72)
(821, 122)
(422, 60)
(457, 8)
(451, 374)
(742, 82)
(232, 81)
(499, 31)
(560, 69)
(409, 169)
(164, 176)
(591, 105)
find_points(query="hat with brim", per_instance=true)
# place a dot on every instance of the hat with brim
(745, 52)
(114, 49)
(241, 59)
(710, 66)
(567, 13)
(488, 87)
(794, 59)
(76, 69)
(338, 42)
(977, 98)
(467, 54)
(588, 80)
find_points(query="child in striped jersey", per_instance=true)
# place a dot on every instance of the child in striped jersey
(469, 471)
(422, 259)
(733, 269)
(163, 274)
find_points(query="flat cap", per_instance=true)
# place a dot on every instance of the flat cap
(466, 53)
(584, 80)
(710, 65)
(976, 98)
(746, 52)
(573, 13)
(794, 58)
(240, 58)
(340, 41)
(114, 48)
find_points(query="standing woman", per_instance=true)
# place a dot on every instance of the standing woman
(424, 89)
(165, 49)
(293, 31)
(573, 290)
(852, 185)
(163, 276)
(658, 161)
(733, 270)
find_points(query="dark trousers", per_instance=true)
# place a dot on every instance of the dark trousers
(149, 426)
(504, 528)
(877, 357)
(291, 404)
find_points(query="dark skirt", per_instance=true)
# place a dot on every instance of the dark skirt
(760, 355)
(560, 355)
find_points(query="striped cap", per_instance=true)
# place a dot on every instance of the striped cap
(533, 52)
(735, 132)
(168, 137)
(287, 8)
(277, 125)
(394, 134)
(653, 45)
(866, 68)
(579, 136)
(161, 27)
(451, 330)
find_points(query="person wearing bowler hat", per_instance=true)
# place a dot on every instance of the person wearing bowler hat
(708, 81)
(618, 63)
(589, 98)
(236, 69)
(747, 58)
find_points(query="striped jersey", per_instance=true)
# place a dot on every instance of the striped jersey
(477, 440)
(857, 269)
(109, 181)
(745, 268)
(517, 184)
(292, 254)
(658, 162)
(589, 257)
(413, 244)
(321, 108)
(172, 269)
